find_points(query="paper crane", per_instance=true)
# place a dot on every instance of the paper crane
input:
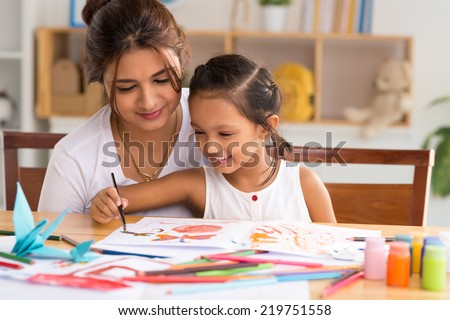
(29, 240)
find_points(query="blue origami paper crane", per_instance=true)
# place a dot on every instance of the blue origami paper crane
(29, 240)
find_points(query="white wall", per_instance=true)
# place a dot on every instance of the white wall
(427, 21)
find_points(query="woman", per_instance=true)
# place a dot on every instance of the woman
(138, 52)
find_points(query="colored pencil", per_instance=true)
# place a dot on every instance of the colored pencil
(16, 258)
(224, 286)
(108, 252)
(200, 264)
(10, 265)
(69, 240)
(7, 233)
(123, 253)
(122, 214)
(248, 252)
(342, 269)
(193, 262)
(263, 260)
(311, 276)
(188, 278)
(12, 233)
(232, 271)
(346, 275)
(387, 239)
(218, 266)
(337, 285)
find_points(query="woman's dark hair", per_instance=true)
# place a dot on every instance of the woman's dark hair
(116, 27)
(246, 85)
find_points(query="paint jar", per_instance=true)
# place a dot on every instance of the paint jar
(427, 241)
(434, 274)
(408, 239)
(416, 258)
(375, 259)
(445, 237)
(398, 264)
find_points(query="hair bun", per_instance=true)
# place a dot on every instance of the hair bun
(90, 9)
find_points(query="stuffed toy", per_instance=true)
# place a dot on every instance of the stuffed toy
(296, 83)
(391, 100)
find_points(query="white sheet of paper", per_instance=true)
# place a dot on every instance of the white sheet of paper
(291, 237)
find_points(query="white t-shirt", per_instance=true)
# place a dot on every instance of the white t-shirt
(281, 200)
(82, 162)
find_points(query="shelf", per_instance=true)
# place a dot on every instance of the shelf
(344, 65)
(10, 55)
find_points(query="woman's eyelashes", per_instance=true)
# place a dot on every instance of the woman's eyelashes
(156, 81)
(161, 81)
(126, 89)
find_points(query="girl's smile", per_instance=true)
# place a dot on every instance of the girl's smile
(219, 161)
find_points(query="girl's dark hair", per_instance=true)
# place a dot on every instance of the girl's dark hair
(116, 27)
(246, 85)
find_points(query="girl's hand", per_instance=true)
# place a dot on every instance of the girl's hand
(105, 205)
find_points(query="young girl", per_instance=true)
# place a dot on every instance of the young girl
(138, 53)
(234, 106)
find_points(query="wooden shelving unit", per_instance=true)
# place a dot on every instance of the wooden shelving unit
(344, 66)
(62, 43)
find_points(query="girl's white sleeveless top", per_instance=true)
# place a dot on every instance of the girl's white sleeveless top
(281, 200)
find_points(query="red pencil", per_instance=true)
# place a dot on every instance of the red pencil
(10, 265)
(345, 281)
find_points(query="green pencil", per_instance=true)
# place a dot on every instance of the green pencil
(233, 271)
(15, 258)
(11, 233)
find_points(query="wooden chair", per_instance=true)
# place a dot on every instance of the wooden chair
(394, 204)
(30, 179)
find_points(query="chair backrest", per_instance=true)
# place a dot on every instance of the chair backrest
(395, 204)
(30, 179)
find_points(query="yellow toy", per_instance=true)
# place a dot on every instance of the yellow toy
(390, 102)
(297, 87)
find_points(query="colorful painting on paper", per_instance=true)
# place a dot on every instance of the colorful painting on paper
(179, 232)
(305, 238)
(276, 236)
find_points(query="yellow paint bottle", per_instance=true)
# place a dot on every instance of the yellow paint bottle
(417, 244)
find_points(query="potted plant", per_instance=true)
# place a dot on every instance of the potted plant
(440, 177)
(274, 14)
(274, 2)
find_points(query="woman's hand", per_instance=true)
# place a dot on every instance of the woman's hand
(105, 205)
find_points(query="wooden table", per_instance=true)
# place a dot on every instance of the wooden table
(82, 227)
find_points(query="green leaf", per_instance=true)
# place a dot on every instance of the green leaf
(440, 101)
(442, 132)
(440, 178)
(274, 2)
(427, 142)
